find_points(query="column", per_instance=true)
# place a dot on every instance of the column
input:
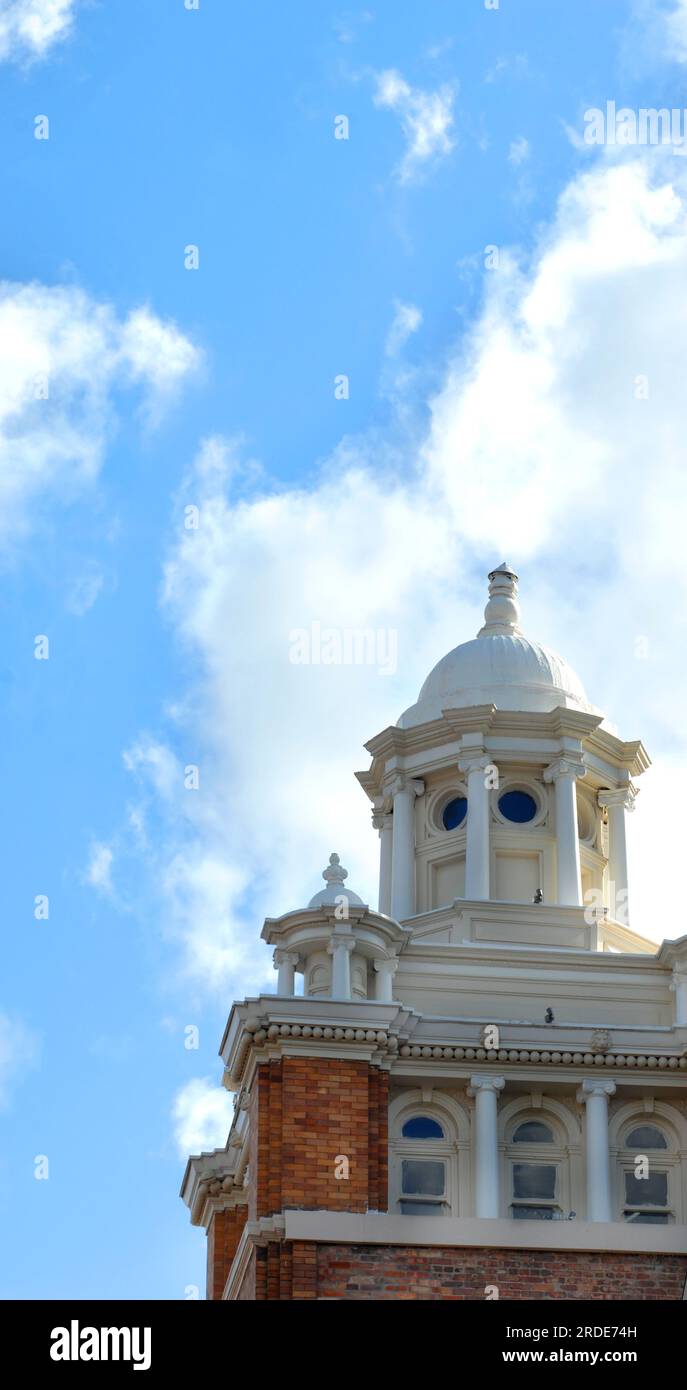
(383, 821)
(384, 979)
(678, 986)
(617, 803)
(285, 962)
(404, 791)
(595, 1096)
(485, 1143)
(340, 948)
(477, 827)
(564, 774)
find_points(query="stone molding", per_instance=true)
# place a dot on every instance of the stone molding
(264, 1035)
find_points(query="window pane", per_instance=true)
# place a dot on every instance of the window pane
(422, 1208)
(518, 806)
(454, 814)
(533, 1132)
(646, 1192)
(421, 1127)
(648, 1218)
(422, 1176)
(533, 1213)
(645, 1137)
(534, 1180)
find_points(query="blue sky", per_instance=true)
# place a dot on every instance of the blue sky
(490, 413)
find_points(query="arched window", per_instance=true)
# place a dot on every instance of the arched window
(647, 1176)
(423, 1175)
(424, 1155)
(422, 1127)
(537, 1170)
(533, 1132)
(645, 1137)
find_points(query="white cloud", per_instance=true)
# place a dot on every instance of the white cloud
(540, 446)
(158, 765)
(675, 20)
(515, 64)
(426, 120)
(29, 28)
(202, 1113)
(518, 151)
(99, 871)
(346, 26)
(63, 358)
(18, 1053)
(656, 34)
(83, 592)
(406, 321)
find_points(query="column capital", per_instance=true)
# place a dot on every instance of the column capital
(474, 762)
(620, 796)
(403, 782)
(381, 820)
(594, 1087)
(284, 957)
(565, 767)
(485, 1083)
(341, 943)
(386, 963)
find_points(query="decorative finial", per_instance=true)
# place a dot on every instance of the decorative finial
(334, 876)
(502, 613)
(334, 873)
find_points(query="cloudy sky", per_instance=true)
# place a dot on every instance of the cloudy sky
(308, 315)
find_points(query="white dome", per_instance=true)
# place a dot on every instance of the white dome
(499, 667)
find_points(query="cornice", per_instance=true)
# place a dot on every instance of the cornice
(263, 1039)
(263, 1024)
(326, 918)
(629, 757)
(390, 1228)
(212, 1183)
(665, 1061)
(673, 953)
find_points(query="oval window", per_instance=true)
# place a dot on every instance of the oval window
(518, 806)
(454, 813)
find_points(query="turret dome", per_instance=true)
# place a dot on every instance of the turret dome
(500, 666)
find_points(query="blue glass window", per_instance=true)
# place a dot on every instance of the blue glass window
(454, 814)
(422, 1127)
(518, 806)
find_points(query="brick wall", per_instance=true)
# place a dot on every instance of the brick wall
(303, 1114)
(406, 1272)
(297, 1270)
(224, 1233)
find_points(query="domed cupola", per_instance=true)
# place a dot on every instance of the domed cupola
(500, 666)
(503, 785)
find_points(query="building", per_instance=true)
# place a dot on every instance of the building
(481, 1091)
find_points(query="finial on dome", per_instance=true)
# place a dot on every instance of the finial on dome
(334, 876)
(502, 613)
(334, 873)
